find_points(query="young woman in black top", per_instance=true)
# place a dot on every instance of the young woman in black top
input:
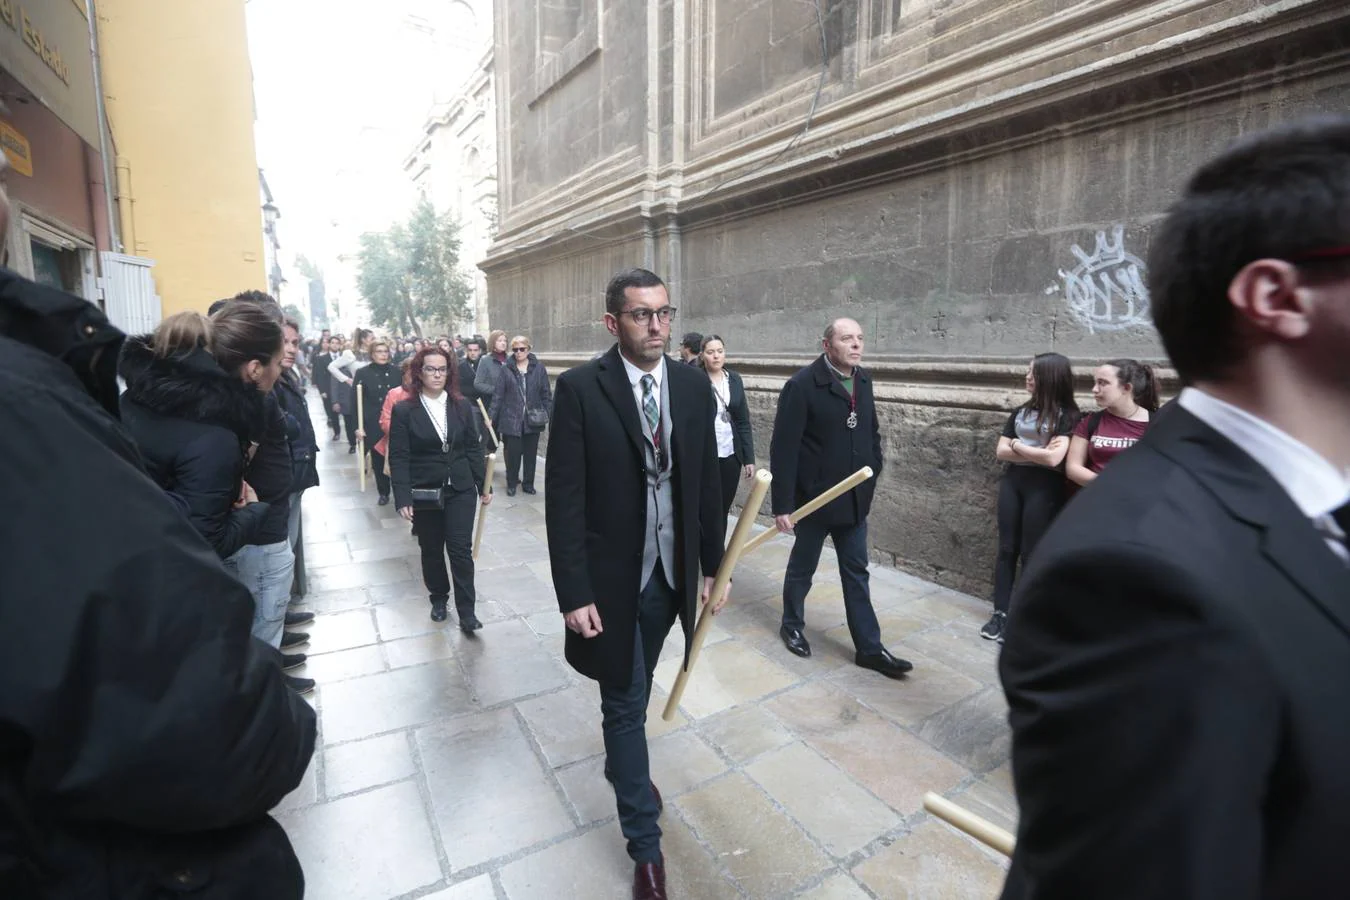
(1032, 490)
(435, 449)
(735, 436)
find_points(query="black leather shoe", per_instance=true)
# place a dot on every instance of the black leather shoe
(468, 622)
(300, 685)
(795, 641)
(292, 661)
(438, 611)
(292, 639)
(529, 489)
(883, 662)
(649, 881)
(351, 449)
(383, 501)
(298, 618)
(510, 490)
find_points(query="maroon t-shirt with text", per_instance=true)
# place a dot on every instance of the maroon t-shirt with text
(1113, 434)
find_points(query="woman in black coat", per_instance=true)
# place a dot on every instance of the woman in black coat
(519, 413)
(735, 436)
(376, 381)
(436, 457)
(193, 422)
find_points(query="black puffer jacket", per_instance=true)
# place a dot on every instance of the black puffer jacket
(144, 734)
(192, 422)
(304, 449)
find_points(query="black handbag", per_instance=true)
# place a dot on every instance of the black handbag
(537, 417)
(428, 498)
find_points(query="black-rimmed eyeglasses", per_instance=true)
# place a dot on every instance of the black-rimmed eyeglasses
(520, 349)
(435, 370)
(643, 316)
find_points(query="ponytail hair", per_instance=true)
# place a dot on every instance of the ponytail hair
(180, 334)
(1142, 381)
(242, 332)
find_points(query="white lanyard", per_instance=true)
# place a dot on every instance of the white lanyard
(442, 428)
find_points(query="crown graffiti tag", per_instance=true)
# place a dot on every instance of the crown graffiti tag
(1105, 291)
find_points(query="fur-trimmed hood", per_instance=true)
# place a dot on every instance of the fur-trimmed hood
(191, 387)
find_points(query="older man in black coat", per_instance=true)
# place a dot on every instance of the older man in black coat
(633, 509)
(144, 734)
(825, 430)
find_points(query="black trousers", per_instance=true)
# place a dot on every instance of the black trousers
(523, 449)
(730, 470)
(1029, 498)
(448, 531)
(334, 420)
(377, 463)
(350, 419)
(624, 711)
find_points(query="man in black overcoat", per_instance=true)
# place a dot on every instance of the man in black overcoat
(1177, 657)
(633, 509)
(825, 430)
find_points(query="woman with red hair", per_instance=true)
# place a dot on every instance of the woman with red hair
(436, 459)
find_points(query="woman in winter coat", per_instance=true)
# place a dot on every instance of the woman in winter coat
(491, 366)
(520, 411)
(194, 422)
(344, 369)
(376, 381)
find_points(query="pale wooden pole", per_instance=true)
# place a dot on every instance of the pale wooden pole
(806, 509)
(482, 510)
(361, 426)
(488, 423)
(982, 830)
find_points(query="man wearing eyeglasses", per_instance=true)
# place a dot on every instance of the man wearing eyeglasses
(1177, 658)
(633, 510)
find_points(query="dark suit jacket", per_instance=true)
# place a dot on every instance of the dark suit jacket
(1177, 663)
(812, 450)
(596, 503)
(742, 432)
(415, 457)
(323, 379)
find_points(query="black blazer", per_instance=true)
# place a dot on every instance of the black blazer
(595, 503)
(812, 450)
(1177, 663)
(742, 432)
(323, 379)
(415, 457)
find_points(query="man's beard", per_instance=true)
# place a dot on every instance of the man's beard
(638, 350)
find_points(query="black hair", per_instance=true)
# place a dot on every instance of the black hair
(1052, 397)
(1142, 382)
(630, 278)
(693, 340)
(1279, 194)
(243, 331)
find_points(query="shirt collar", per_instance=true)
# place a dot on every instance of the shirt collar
(835, 369)
(1314, 484)
(635, 374)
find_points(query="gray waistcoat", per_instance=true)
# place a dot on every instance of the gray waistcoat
(660, 537)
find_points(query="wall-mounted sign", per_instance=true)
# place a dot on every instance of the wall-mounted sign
(16, 149)
(45, 46)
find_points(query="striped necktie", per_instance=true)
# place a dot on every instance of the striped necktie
(653, 414)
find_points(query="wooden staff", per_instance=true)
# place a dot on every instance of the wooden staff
(488, 422)
(733, 553)
(805, 510)
(982, 830)
(361, 426)
(482, 510)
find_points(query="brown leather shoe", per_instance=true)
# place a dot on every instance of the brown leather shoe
(649, 881)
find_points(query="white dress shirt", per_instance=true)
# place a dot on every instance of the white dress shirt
(635, 380)
(1316, 486)
(726, 439)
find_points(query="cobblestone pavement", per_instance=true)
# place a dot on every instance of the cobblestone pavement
(460, 768)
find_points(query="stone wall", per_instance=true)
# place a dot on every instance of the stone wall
(979, 182)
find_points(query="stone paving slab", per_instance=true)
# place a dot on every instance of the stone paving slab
(469, 768)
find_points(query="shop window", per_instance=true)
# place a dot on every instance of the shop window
(56, 268)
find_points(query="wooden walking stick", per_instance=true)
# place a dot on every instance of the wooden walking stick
(482, 510)
(733, 553)
(982, 830)
(806, 509)
(488, 422)
(361, 426)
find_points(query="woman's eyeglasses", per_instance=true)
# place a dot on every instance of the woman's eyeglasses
(435, 370)
(520, 349)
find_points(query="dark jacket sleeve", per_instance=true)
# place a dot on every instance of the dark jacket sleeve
(545, 388)
(483, 381)
(400, 456)
(876, 437)
(1115, 657)
(499, 399)
(130, 674)
(206, 471)
(789, 425)
(565, 509)
(740, 418)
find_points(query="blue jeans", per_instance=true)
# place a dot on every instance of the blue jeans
(624, 710)
(266, 569)
(850, 547)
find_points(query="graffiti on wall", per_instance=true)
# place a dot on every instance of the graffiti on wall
(1106, 290)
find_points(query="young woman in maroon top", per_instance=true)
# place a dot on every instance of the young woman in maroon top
(1127, 392)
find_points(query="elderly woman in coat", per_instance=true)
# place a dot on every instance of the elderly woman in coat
(520, 411)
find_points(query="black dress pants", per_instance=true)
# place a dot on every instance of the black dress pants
(521, 449)
(448, 531)
(334, 419)
(350, 419)
(377, 463)
(730, 470)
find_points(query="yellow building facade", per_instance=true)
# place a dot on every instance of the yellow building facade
(178, 87)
